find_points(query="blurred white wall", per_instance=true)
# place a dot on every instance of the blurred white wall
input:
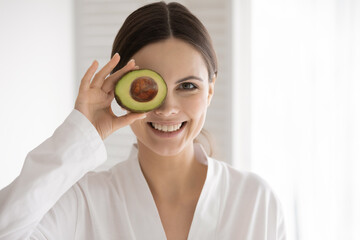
(36, 76)
(305, 112)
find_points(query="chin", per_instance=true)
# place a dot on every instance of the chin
(161, 149)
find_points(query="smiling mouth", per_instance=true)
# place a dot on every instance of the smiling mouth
(167, 128)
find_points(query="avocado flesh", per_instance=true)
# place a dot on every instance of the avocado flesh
(140, 90)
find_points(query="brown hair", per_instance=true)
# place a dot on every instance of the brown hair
(159, 21)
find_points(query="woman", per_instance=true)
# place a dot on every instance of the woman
(168, 188)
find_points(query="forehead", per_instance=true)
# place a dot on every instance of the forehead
(173, 59)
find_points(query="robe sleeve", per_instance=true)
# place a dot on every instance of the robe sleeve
(48, 174)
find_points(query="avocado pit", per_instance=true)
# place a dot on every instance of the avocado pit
(143, 89)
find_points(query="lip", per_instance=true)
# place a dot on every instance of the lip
(166, 123)
(167, 134)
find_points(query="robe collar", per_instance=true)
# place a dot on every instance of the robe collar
(145, 220)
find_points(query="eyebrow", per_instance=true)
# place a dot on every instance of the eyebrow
(187, 78)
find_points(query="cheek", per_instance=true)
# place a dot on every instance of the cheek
(196, 107)
(198, 102)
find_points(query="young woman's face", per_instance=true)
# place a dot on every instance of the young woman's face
(189, 94)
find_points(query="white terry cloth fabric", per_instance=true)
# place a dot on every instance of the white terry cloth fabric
(56, 196)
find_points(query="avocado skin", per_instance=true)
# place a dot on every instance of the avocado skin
(124, 106)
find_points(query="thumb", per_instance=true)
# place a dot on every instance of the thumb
(127, 119)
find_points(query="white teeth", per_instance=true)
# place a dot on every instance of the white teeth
(166, 128)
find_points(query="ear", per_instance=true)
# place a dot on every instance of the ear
(211, 89)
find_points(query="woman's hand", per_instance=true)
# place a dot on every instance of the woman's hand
(95, 97)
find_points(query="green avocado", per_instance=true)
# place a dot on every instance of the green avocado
(140, 90)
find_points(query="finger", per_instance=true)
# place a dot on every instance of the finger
(110, 82)
(85, 81)
(101, 75)
(127, 119)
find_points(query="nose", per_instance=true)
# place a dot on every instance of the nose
(168, 108)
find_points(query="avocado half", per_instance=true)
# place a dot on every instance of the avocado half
(140, 90)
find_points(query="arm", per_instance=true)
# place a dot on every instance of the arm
(48, 172)
(75, 148)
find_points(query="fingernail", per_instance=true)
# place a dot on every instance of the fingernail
(131, 60)
(115, 54)
(142, 117)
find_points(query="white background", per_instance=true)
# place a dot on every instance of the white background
(37, 76)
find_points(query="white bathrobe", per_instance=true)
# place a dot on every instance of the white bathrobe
(56, 196)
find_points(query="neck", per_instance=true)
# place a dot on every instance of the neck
(171, 177)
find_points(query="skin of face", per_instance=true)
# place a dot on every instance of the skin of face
(188, 100)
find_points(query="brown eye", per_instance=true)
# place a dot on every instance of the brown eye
(187, 86)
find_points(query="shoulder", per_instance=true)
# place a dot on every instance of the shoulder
(248, 198)
(235, 177)
(246, 185)
(103, 179)
(98, 188)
